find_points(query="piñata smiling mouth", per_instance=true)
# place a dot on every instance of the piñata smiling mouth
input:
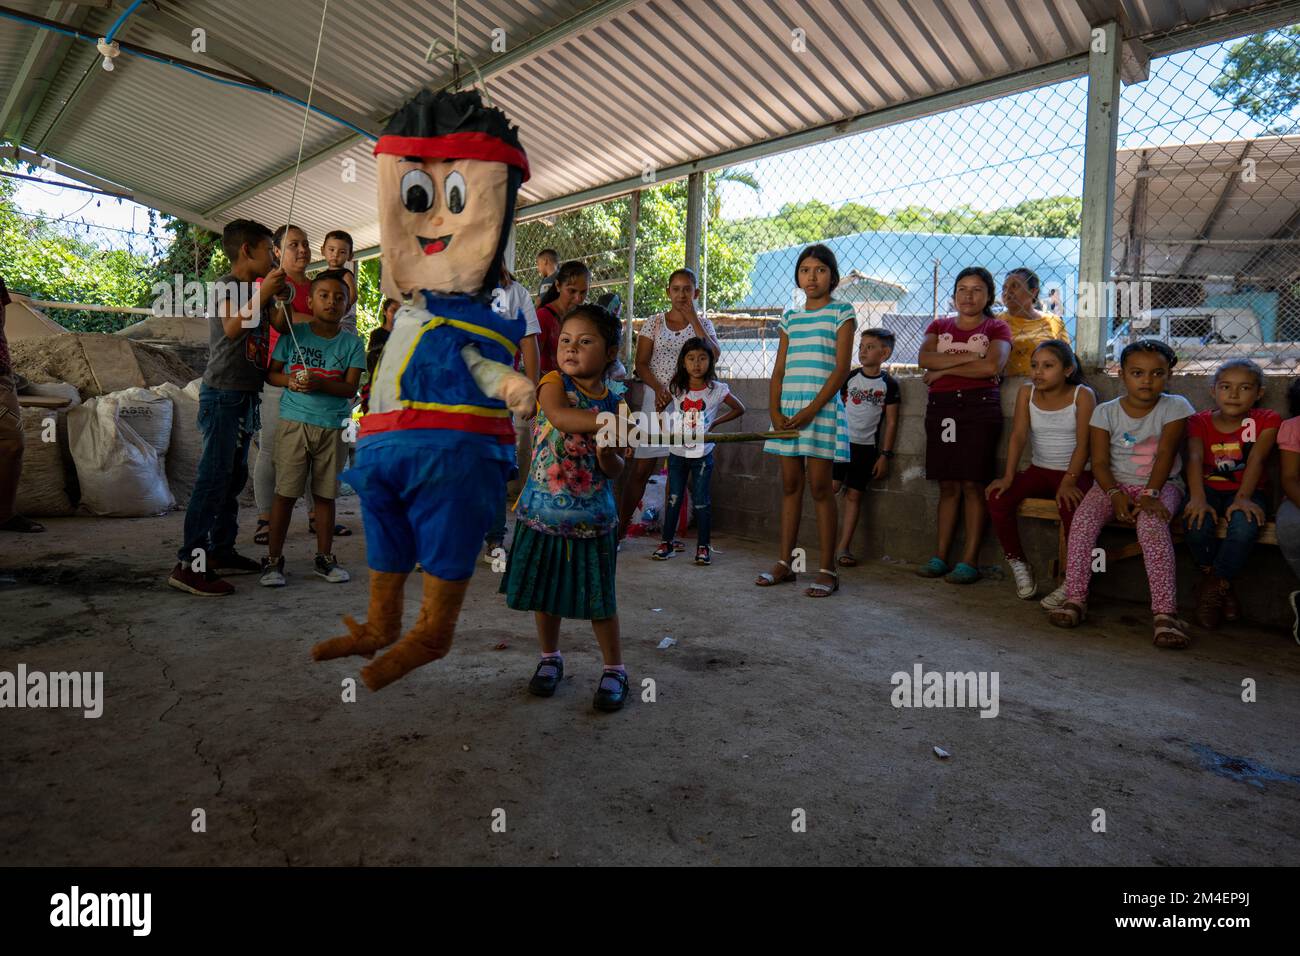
(432, 245)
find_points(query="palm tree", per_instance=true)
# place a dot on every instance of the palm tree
(729, 175)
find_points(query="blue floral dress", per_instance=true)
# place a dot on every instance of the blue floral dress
(563, 555)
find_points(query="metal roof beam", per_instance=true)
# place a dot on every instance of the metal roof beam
(26, 155)
(1135, 257)
(1226, 27)
(1230, 181)
(1288, 230)
(1100, 12)
(530, 48)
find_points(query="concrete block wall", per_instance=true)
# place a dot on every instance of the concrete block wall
(899, 514)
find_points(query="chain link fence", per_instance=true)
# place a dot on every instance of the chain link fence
(1206, 251)
(1207, 204)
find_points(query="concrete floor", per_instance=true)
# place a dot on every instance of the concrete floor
(768, 703)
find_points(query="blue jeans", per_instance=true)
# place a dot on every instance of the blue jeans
(1288, 533)
(1226, 557)
(695, 473)
(227, 419)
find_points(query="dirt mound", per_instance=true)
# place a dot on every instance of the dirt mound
(63, 358)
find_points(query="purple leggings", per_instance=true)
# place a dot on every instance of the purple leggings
(1153, 535)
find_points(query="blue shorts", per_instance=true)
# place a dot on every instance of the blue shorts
(428, 496)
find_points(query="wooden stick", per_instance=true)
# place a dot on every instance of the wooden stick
(724, 437)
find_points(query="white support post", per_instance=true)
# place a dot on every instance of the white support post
(1095, 235)
(694, 220)
(629, 311)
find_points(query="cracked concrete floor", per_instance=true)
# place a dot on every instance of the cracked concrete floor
(769, 703)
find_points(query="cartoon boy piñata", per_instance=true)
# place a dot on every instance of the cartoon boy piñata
(437, 447)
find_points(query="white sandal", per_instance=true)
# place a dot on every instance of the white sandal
(767, 579)
(819, 590)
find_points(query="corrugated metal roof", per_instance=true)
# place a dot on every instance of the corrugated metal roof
(659, 82)
(15, 41)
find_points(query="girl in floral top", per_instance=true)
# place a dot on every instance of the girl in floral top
(562, 559)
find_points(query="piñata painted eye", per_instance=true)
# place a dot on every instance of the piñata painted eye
(454, 190)
(417, 190)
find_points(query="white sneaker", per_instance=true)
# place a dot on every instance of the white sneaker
(1026, 586)
(327, 567)
(272, 574)
(1054, 600)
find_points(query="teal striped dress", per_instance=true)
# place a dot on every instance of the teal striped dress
(809, 362)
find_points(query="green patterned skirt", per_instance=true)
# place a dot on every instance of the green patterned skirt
(567, 577)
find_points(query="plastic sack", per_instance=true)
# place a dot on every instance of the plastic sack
(648, 516)
(47, 482)
(54, 390)
(186, 440)
(148, 413)
(121, 475)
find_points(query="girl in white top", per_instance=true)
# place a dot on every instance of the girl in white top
(657, 349)
(1053, 410)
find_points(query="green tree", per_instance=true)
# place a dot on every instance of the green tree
(192, 252)
(597, 235)
(44, 263)
(1261, 77)
(369, 296)
(853, 217)
(1048, 217)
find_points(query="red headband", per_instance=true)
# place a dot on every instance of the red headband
(455, 146)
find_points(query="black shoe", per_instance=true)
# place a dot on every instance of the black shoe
(543, 686)
(609, 700)
(227, 563)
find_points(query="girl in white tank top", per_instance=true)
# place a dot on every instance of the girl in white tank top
(1053, 435)
(1058, 456)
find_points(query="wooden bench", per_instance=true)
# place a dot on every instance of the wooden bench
(1045, 509)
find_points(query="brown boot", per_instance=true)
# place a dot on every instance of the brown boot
(383, 622)
(430, 638)
(1209, 603)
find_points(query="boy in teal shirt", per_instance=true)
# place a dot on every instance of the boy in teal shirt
(319, 366)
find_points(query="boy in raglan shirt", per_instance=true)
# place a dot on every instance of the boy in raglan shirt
(871, 403)
(319, 366)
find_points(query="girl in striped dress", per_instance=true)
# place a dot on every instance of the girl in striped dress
(812, 364)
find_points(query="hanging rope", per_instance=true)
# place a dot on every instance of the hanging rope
(439, 49)
(286, 307)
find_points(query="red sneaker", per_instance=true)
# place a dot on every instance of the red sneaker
(185, 579)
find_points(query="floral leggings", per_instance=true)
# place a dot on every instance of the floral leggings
(1153, 535)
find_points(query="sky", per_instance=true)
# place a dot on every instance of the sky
(995, 153)
(987, 155)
